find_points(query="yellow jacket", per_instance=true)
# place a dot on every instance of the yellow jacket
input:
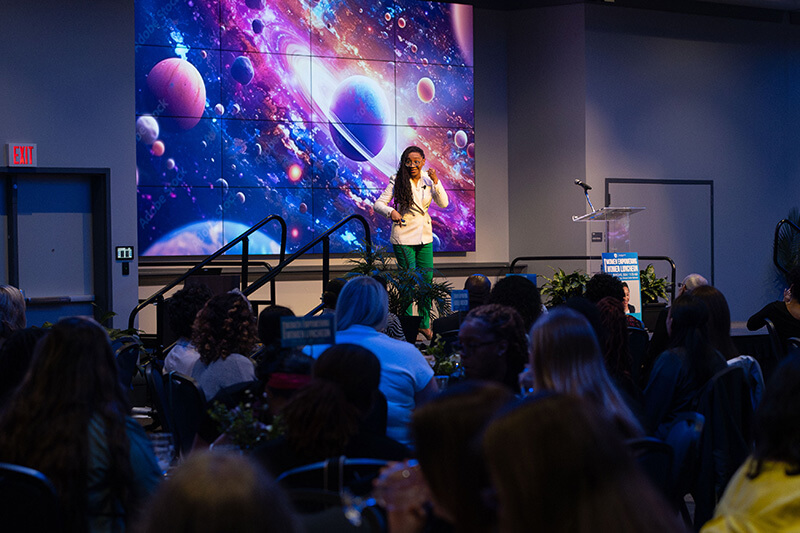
(770, 502)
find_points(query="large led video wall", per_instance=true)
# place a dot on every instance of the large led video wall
(246, 108)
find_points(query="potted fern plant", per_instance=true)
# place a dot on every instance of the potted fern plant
(652, 288)
(405, 286)
(562, 286)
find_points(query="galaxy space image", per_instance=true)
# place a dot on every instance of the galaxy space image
(301, 108)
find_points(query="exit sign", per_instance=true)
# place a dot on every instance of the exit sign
(21, 155)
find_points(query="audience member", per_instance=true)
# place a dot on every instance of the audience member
(406, 377)
(15, 359)
(330, 295)
(659, 341)
(784, 314)
(12, 311)
(478, 288)
(292, 372)
(764, 494)
(682, 370)
(325, 418)
(224, 334)
(218, 493)
(445, 432)
(616, 353)
(453, 476)
(719, 320)
(182, 309)
(565, 357)
(493, 345)
(394, 328)
(521, 294)
(602, 285)
(269, 333)
(557, 466)
(67, 420)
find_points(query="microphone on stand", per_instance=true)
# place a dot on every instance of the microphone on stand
(582, 184)
(586, 189)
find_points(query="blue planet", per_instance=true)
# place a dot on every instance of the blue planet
(360, 112)
(205, 238)
(242, 70)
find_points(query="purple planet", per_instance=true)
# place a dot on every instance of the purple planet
(178, 83)
(360, 112)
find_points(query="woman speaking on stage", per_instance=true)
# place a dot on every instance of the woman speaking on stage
(413, 189)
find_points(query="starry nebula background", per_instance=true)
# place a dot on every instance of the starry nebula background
(246, 108)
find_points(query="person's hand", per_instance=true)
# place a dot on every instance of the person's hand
(432, 175)
(526, 381)
(396, 217)
(401, 490)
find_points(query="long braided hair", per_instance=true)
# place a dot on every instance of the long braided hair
(403, 198)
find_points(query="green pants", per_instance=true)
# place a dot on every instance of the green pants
(417, 256)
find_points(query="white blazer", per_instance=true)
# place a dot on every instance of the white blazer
(416, 226)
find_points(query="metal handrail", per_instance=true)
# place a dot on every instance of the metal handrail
(775, 243)
(324, 238)
(670, 288)
(243, 238)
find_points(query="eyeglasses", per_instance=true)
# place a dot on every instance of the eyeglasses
(417, 164)
(471, 346)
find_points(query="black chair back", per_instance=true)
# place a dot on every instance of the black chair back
(334, 474)
(727, 437)
(158, 395)
(774, 340)
(126, 352)
(187, 406)
(655, 457)
(638, 340)
(28, 500)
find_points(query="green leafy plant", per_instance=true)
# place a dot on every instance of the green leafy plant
(444, 362)
(652, 287)
(563, 286)
(244, 424)
(405, 286)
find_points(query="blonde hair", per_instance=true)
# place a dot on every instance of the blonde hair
(565, 357)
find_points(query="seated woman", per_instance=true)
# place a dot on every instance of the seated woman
(764, 494)
(565, 357)
(269, 333)
(617, 354)
(15, 359)
(784, 314)
(220, 492)
(12, 311)
(325, 418)
(68, 420)
(719, 320)
(406, 377)
(680, 373)
(451, 474)
(182, 309)
(557, 465)
(224, 334)
(493, 346)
